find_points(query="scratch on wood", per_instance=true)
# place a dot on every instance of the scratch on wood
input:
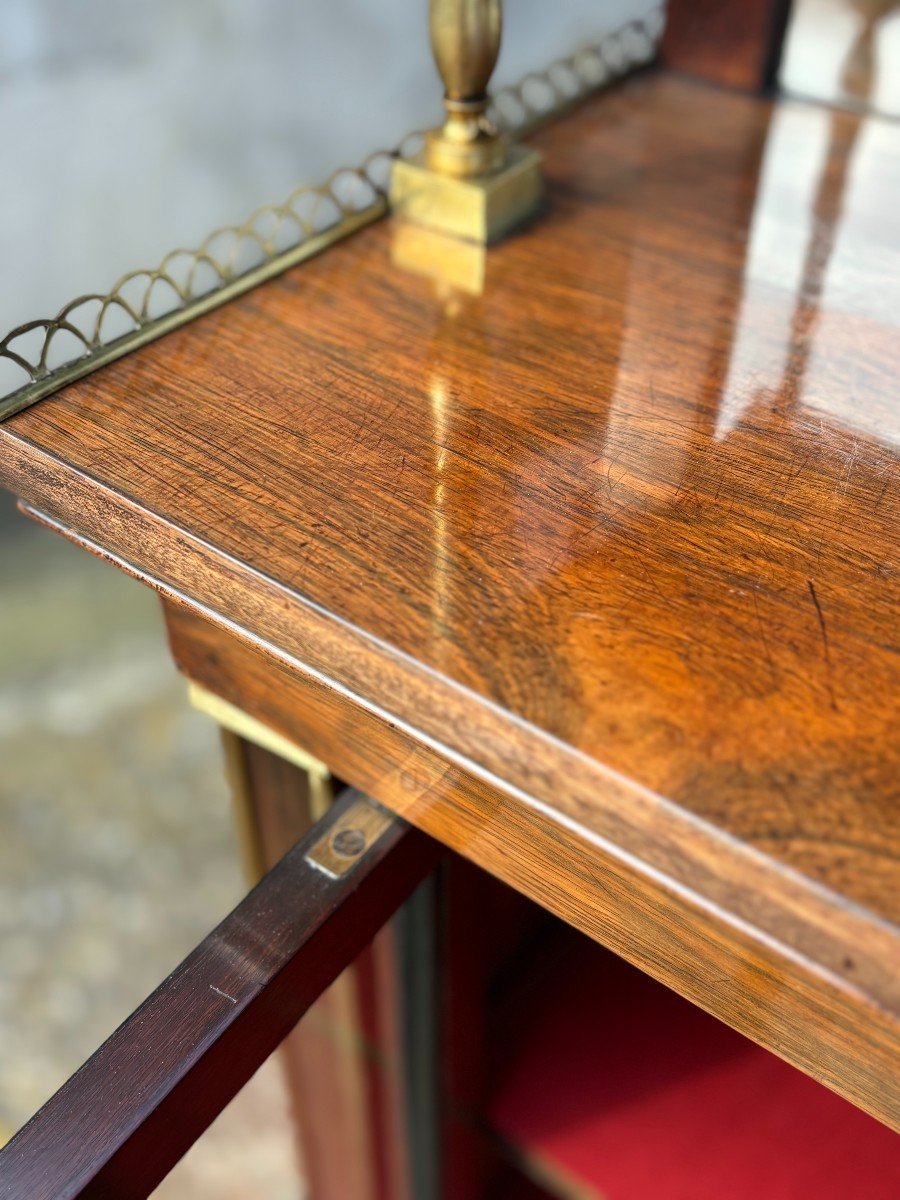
(224, 995)
(881, 495)
(825, 646)
(765, 644)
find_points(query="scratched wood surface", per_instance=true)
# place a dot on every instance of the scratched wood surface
(616, 537)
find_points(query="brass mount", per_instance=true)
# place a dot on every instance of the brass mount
(468, 181)
(465, 42)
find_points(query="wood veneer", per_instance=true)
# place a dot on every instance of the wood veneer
(344, 1060)
(607, 552)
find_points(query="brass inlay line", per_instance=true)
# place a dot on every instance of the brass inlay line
(236, 721)
(237, 258)
(194, 282)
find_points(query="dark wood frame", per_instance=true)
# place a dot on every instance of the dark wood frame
(119, 1125)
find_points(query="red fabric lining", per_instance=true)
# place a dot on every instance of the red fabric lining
(644, 1097)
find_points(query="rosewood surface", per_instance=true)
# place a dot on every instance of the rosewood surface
(609, 549)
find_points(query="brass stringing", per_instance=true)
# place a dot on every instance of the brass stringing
(236, 258)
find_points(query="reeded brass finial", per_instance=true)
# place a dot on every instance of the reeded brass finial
(468, 181)
(465, 41)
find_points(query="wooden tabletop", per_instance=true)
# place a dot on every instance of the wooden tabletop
(614, 539)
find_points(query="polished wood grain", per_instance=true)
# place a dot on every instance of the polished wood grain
(606, 553)
(735, 43)
(130, 1113)
(773, 973)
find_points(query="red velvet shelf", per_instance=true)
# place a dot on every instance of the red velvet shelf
(619, 1084)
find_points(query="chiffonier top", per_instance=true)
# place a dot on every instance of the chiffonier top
(616, 533)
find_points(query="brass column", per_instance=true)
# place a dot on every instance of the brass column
(468, 181)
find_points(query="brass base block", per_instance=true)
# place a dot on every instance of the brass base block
(479, 209)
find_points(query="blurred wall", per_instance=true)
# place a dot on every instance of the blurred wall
(130, 128)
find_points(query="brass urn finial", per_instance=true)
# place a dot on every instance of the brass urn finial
(468, 181)
(465, 41)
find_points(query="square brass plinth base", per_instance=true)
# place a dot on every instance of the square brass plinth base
(480, 210)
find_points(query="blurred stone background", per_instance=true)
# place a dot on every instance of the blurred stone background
(129, 129)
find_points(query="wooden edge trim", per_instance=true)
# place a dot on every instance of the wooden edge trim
(662, 841)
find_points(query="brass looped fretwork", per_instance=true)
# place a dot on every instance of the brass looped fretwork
(96, 329)
(547, 94)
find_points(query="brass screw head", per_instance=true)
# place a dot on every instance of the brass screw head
(349, 843)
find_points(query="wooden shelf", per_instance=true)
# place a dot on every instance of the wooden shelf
(593, 574)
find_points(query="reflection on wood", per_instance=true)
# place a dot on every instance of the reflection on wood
(131, 1112)
(845, 52)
